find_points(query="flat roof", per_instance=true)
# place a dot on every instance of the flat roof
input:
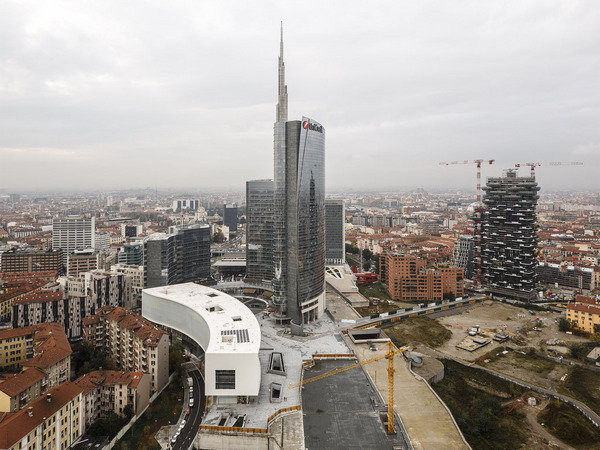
(233, 326)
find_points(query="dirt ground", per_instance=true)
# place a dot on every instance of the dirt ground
(492, 316)
(530, 368)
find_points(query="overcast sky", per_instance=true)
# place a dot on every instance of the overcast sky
(117, 94)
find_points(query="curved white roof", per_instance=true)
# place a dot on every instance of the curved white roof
(218, 322)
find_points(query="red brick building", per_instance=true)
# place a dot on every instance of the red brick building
(407, 278)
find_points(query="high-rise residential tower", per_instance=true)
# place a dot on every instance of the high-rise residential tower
(509, 239)
(335, 236)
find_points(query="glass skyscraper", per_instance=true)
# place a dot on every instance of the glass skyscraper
(299, 252)
(286, 217)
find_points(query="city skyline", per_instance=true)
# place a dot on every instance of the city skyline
(97, 101)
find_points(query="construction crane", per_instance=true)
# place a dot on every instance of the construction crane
(478, 209)
(533, 165)
(389, 355)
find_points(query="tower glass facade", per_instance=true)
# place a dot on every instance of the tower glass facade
(299, 252)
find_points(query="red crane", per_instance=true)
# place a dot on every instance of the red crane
(533, 165)
(478, 208)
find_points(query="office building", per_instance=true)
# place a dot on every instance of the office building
(259, 230)
(178, 257)
(509, 239)
(52, 422)
(226, 330)
(230, 217)
(132, 254)
(81, 261)
(31, 260)
(463, 255)
(407, 278)
(132, 341)
(73, 233)
(299, 214)
(335, 233)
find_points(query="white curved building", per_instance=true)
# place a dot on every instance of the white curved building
(224, 327)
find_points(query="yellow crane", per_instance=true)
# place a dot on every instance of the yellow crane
(389, 355)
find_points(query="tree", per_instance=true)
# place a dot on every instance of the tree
(366, 266)
(564, 324)
(218, 237)
(175, 356)
(449, 296)
(367, 254)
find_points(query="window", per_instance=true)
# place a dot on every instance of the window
(225, 379)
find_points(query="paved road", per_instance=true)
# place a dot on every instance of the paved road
(187, 435)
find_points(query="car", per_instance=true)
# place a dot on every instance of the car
(191, 389)
(191, 402)
(372, 347)
(187, 412)
(187, 357)
(174, 438)
(182, 424)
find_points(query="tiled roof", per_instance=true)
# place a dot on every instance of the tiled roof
(21, 381)
(583, 308)
(39, 297)
(50, 345)
(137, 325)
(17, 425)
(92, 380)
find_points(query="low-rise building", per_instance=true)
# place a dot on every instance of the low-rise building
(54, 421)
(132, 341)
(583, 316)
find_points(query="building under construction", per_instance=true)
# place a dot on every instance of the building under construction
(509, 239)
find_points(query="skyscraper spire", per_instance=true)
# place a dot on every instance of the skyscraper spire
(282, 100)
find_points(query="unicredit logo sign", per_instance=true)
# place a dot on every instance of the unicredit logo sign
(312, 126)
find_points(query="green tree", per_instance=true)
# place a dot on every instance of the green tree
(564, 324)
(367, 254)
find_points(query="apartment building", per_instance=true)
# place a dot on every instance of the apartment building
(407, 278)
(73, 233)
(132, 341)
(18, 389)
(107, 391)
(584, 313)
(72, 299)
(44, 355)
(31, 261)
(10, 291)
(82, 261)
(54, 421)
(136, 275)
